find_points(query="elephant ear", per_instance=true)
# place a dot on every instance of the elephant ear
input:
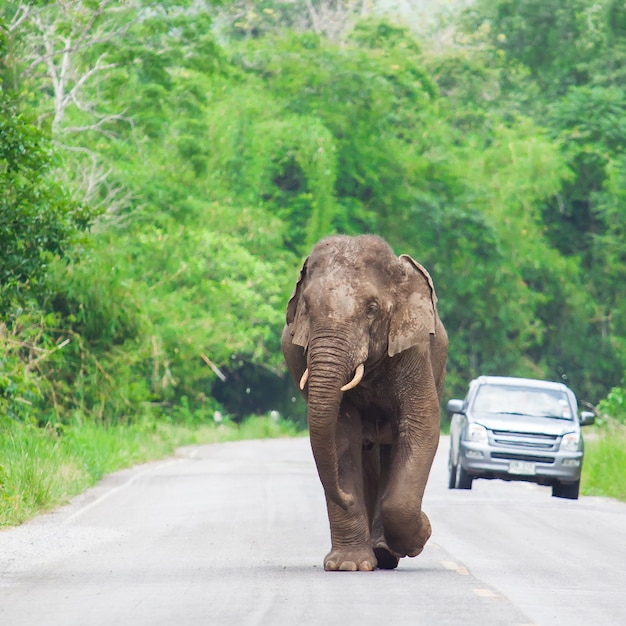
(415, 315)
(297, 317)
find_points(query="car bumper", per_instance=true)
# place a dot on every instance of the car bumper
(486, 461)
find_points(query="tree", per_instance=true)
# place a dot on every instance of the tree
(38, 219)
(562, 67)
(332, 19)
(563, 44)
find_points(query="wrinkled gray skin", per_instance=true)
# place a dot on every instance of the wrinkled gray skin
(357, 303)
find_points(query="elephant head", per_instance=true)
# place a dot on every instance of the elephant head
(355, 305)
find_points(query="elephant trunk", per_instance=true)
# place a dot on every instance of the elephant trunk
(330, 368)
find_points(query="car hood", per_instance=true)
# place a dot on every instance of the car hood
(524, 423)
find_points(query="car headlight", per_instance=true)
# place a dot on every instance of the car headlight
(570, 442)
(477, 433)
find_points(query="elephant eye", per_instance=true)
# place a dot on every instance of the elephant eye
(372, 310)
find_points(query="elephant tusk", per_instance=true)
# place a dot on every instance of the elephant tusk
(358, 376)
(304, 378)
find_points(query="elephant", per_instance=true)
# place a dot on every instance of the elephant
(364, 343)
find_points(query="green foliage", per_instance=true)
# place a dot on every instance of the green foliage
(24, 345)
(563, 68)
(264, 157)
(587, 218)
(613, 407)
(562, 44)
(375, 102)
(146, 337)
(38, 219)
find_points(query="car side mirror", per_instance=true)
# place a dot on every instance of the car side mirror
(455, 406)
(587, 418)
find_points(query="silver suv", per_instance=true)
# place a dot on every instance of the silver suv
(517, 429)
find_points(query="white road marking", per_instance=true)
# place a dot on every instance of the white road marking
(488, 593)
(455, 567)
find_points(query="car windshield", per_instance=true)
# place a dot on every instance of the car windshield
(515, 400)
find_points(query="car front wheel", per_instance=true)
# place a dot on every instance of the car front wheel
(451, 473)
(463, 479)
(567, 490)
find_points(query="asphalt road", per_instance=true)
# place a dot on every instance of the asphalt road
(235, 534)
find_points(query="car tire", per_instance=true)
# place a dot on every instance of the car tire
(463, 479)
(566, 490)
(451, 474)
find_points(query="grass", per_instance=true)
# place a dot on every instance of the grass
(604, 472)
(43, 468)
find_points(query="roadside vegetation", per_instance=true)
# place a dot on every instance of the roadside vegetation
(605, 450)
(165, 166)
(605, 460)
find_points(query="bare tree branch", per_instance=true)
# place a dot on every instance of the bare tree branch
(335, 18)
(331, 18)
(53, 39)
(22, 14)
(96, 180)
(97, 126)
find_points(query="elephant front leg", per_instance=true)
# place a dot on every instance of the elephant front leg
(349, 529)
(351, 549)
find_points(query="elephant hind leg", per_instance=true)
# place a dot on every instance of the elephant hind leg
(377, 476)
(384, 556)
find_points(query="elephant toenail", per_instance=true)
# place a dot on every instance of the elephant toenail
(348, 566)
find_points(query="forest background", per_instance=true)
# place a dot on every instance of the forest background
(165, 167)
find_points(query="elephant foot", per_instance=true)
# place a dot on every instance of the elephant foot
(386, 559)
(350, 560)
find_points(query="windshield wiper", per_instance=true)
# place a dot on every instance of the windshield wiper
(557, 417)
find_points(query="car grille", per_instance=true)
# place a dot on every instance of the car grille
(505, 438)
(513, 456)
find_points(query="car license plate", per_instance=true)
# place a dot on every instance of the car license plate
(521, 467)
